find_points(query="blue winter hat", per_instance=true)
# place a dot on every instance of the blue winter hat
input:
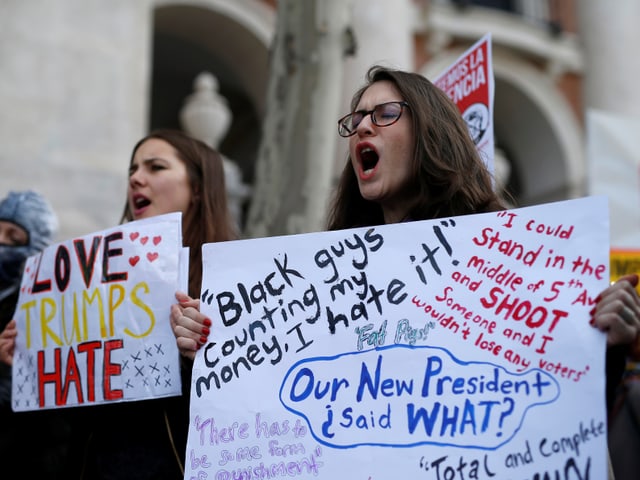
(31, 211)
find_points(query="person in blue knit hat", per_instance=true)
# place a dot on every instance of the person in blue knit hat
(28, 225)
(35, 441)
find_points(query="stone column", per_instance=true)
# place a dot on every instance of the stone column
(383, 32)
(610, 35)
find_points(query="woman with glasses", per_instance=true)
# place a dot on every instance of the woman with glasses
(411, 158)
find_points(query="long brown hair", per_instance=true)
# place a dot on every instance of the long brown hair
(208, 219)
(449, 176)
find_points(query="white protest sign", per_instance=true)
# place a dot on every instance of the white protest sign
(469, 82)
(93, 318)
(448, 349)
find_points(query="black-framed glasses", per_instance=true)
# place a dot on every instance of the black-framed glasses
(382, 115)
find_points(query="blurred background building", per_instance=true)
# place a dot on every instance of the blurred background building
(82, 80)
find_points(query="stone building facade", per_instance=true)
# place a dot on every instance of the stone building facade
(83, 80)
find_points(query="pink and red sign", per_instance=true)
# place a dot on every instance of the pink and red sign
(469, 83)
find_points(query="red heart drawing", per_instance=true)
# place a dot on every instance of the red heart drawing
(133, 236)
(143, 240)
(134, 260)
(157, 240)
(152, 256)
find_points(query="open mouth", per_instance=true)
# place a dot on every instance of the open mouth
(368, 159)
(140, 201)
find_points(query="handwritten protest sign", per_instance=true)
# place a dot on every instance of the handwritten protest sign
(448, 349)
(469, 83)
(93, 318)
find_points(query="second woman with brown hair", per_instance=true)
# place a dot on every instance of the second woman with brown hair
(169, 172)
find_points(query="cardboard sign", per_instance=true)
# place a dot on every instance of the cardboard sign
(445, 349)
(93, 318)
(469, 82)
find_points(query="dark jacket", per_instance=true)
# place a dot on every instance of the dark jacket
(135, 440)
(36, 441)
